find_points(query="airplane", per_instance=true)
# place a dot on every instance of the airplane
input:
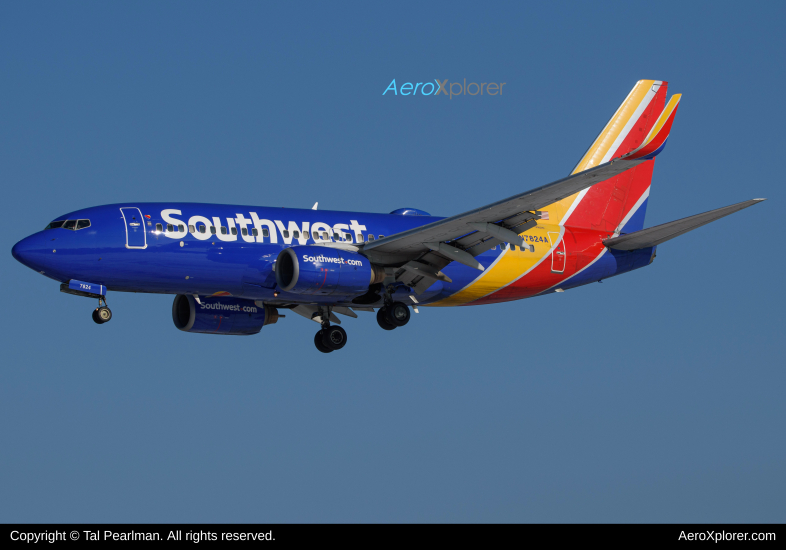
(235, 269)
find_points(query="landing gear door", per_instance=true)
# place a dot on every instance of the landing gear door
(558, 257)
(136, 235)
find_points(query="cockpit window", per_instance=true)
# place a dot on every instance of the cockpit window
(73, 225)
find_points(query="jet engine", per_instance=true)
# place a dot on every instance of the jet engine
(221, 315)
(324, 271)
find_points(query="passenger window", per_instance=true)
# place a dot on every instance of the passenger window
(81, 224)
(70, 224)
(55, 225)
(286, 234)
(296, 234)
(202, 228)
(360, 238)
(223, 230)
(170, 228)
(265, 233)
(244, 231)
(234, 230)
(382, 236)
(513, 247)
(159, 227)
(325, 236)
(349, 237)
(255, 232)
(191, 229)
(181, 228)
(315, 234)
(370, 238)
(212, 229)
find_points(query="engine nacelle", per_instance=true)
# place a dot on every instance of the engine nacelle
(322, 271)
(221, 315)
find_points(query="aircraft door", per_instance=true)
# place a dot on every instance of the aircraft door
(558, 256)
(136, 234)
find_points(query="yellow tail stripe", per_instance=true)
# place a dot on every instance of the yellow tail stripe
(611, 132)
(664, 116)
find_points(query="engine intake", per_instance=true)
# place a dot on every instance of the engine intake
(323, 271)
(221, 315)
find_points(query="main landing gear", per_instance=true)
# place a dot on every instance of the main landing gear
(333, 337)
(102, 314)
(330, 337)
(393, 315)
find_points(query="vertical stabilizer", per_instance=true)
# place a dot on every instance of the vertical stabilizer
(637, 130)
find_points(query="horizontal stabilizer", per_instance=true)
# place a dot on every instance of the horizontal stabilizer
(667, 231)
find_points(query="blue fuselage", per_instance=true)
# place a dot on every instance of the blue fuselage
(203, 249)
(218, 250)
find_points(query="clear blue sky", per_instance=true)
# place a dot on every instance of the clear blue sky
(655, 396)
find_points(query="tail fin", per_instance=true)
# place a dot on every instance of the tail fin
(638, 129)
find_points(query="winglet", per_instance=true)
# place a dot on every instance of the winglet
(656, 139)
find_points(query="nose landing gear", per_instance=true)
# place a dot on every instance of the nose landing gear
(102, 314)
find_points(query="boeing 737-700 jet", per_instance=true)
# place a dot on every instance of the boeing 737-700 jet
(233, 269)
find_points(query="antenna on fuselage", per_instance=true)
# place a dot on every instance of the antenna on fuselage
(315, 205)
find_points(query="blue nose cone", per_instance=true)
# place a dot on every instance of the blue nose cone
(35, 251)
(23, 251)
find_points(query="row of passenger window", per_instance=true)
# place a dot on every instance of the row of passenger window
(325, 236)
(73, 225)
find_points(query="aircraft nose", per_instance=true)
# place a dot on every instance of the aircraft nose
(22, 250)
(30, 251)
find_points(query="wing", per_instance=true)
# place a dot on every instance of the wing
(461, 237)
(667, 231)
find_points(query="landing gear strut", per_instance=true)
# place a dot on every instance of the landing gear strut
(329, 338)
(102, 314)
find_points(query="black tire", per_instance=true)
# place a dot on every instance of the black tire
(97, 320)
(382, 319)
(334, 337)
(397, 314)
(104, 313)
(318, 343)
